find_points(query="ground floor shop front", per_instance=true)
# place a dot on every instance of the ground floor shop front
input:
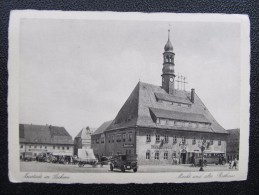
(159, 146)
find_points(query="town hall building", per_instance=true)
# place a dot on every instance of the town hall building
(159, 124)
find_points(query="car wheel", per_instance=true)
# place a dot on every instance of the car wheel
(111, 167)
(135, 170)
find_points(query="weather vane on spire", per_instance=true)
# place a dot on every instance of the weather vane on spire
(169, 29)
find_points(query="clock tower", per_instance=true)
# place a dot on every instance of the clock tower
(168, 75)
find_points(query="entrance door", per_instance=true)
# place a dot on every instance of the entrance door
(183, 158)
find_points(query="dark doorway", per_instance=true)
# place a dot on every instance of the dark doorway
(183, 158)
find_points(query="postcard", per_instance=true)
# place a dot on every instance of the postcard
(110, 97)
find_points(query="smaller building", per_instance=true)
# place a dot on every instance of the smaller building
(45, 138)
(233, 144)
(83, 139)
(98, 140)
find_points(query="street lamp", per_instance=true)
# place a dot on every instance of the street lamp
(202, 153)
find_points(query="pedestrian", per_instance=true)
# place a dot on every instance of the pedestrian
(220, 160)
(193, 160)
(235, 163)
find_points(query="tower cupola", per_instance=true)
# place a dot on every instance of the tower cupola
(168, 46)
(168, 67)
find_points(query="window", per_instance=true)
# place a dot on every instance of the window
(118, 138)
(219, 142)
(162, 121)
(58, 147)
(148, 138)
(129, 151)
(186, 124)
(211, 142)
(166, 138)
(147, 155)
(45, 147)
(157, 155)
(29, 146)
(21, 146)
(179, 123)
(174, 139)
(40, 146)
(67, 147)
(124, 137)
(183, 140)
(112, 138)
(174, 155)
(157, 138)
(158, 120)
(130, 137)
(63, 148)
(102, 140)
(109, 139)
(179, 104)
(171, 122)
(166, 155)
(35, 146)
(194, 141)
(53, 147)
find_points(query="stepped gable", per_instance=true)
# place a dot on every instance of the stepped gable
(128, 114)
(44, 134)
(102, 128)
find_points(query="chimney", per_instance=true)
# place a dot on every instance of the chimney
(192, 95)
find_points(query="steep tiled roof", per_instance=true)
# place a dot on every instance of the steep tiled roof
(45, 134)
(102, 128)
(136, 110)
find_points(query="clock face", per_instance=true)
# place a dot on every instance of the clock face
(171, 79)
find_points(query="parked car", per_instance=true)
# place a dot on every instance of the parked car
(124, 162)
(104, 160)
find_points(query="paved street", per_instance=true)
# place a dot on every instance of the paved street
(49, 167)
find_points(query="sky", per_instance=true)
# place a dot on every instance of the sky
(78, 73)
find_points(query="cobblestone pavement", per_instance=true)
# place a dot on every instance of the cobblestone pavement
(49, 167)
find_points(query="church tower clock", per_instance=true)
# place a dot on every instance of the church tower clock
(168, 75)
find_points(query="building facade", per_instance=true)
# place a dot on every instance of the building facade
(233, 144)
(159, 124)
(45, 138)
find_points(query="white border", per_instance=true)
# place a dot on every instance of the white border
(13, 96)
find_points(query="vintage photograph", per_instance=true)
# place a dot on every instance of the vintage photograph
(119, 95)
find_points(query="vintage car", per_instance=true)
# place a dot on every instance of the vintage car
(124, 162)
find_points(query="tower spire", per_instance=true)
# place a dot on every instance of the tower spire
(168, 67)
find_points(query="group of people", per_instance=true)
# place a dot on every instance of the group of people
(233, 163)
